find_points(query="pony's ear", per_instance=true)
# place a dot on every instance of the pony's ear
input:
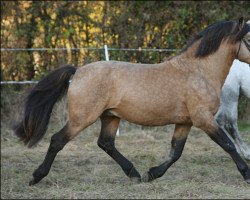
(241, 22)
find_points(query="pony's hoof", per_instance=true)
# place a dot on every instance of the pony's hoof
(247, 176)
(32, 182)
(147, 177)
(135, 179)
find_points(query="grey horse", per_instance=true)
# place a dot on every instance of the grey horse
(236, 83)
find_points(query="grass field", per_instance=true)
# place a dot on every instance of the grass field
(83, 170)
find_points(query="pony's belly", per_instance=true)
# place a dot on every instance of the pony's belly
(151, 118)
(161, 121)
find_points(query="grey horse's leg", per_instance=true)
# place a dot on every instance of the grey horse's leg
(227, 117)
(233, 129)
(228, 122)
(223, 124)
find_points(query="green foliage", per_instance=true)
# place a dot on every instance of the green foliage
(123, 24)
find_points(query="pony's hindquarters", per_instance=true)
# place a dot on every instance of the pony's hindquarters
(87, 98)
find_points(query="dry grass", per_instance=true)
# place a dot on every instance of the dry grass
(83, 170)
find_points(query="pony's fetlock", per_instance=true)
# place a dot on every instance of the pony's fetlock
(133, 173)
(246, 174)
(38, 175)
(147, 177)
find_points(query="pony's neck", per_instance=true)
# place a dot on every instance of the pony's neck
(220, 62)
(215, 67)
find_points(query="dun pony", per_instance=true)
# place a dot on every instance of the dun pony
(184, 90)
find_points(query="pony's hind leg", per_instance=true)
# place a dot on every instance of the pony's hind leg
(106, 141)
(58, 141)
(177, 144)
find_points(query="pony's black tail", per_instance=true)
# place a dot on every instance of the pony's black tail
(39, 104)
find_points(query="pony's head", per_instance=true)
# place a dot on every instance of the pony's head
(235, 32)
(243, 52)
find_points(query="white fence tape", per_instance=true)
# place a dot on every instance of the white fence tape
(86, 48)
(18, 82)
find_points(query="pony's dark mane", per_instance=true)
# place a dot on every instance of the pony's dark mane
(212, 36)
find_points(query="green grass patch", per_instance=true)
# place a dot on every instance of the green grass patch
(244, 126)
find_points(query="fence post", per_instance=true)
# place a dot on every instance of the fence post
(107, 59)
(106, 52)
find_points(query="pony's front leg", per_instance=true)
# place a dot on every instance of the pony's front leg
(218, 135)
(177, 144)
(223, 140)
(106, 141)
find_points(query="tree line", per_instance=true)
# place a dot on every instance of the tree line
(119, 24)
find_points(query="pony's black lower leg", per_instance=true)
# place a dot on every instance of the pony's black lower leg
(106, 142)
(57, 143)
(177, 145)
(222, 139)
